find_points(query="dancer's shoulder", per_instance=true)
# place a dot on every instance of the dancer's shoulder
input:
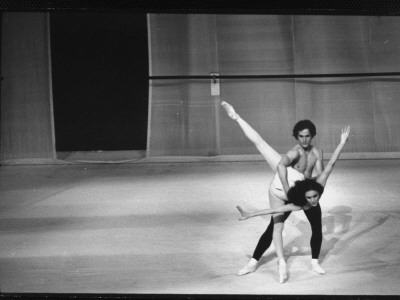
(296, 151)
(291, 157)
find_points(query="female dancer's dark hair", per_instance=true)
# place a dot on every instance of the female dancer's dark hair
(297, 193)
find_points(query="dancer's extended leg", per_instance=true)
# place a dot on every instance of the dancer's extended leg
(273, 232)
(271, 156)
(263, 244)
(265, 241)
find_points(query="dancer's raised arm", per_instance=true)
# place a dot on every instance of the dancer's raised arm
(323, 177)
(269, 211)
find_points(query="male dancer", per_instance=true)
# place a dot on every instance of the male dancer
(303, 157)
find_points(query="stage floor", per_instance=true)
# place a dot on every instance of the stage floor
(172, 228)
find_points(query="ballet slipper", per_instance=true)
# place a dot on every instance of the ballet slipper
(283, 276)
(315, 266)
(249, 268)
(229, 110)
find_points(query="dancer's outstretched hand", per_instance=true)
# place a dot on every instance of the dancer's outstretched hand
(229, 110)
(245, 214)
(345, 134)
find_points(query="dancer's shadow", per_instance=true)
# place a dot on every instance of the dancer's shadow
(344, 238)
(336, 222)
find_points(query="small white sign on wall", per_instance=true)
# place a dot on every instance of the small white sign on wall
(215, 89)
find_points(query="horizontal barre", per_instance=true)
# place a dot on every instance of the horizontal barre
(379, 74)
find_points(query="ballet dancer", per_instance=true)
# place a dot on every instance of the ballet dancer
(277, 191)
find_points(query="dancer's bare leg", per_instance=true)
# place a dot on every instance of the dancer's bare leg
(279, 220)
(271, 156)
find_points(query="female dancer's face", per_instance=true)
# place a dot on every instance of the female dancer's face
(312, 197)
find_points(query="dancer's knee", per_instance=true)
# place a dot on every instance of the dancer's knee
(279, 219)
(278, 228)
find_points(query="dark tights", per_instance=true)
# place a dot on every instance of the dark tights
(314, 217)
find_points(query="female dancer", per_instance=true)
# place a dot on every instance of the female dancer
(305, 194)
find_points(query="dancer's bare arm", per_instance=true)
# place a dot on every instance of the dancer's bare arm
(262, 212)
(323, 177)
(286, 162)
(319, 165)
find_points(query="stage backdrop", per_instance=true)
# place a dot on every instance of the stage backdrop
(185, 119)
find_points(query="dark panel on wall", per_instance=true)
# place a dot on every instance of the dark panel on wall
(100, 80)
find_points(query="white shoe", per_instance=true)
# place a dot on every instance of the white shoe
(229, 110)
(249, 268)
(315, 266)
(283, 276)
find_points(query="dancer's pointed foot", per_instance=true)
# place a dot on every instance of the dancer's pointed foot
(249, 268)
(229, 110)
(315, 266)
(283, 276)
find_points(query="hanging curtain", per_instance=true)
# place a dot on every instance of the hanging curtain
(26, 109)
(185, 118)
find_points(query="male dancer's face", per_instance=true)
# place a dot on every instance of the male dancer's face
(304, 138)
